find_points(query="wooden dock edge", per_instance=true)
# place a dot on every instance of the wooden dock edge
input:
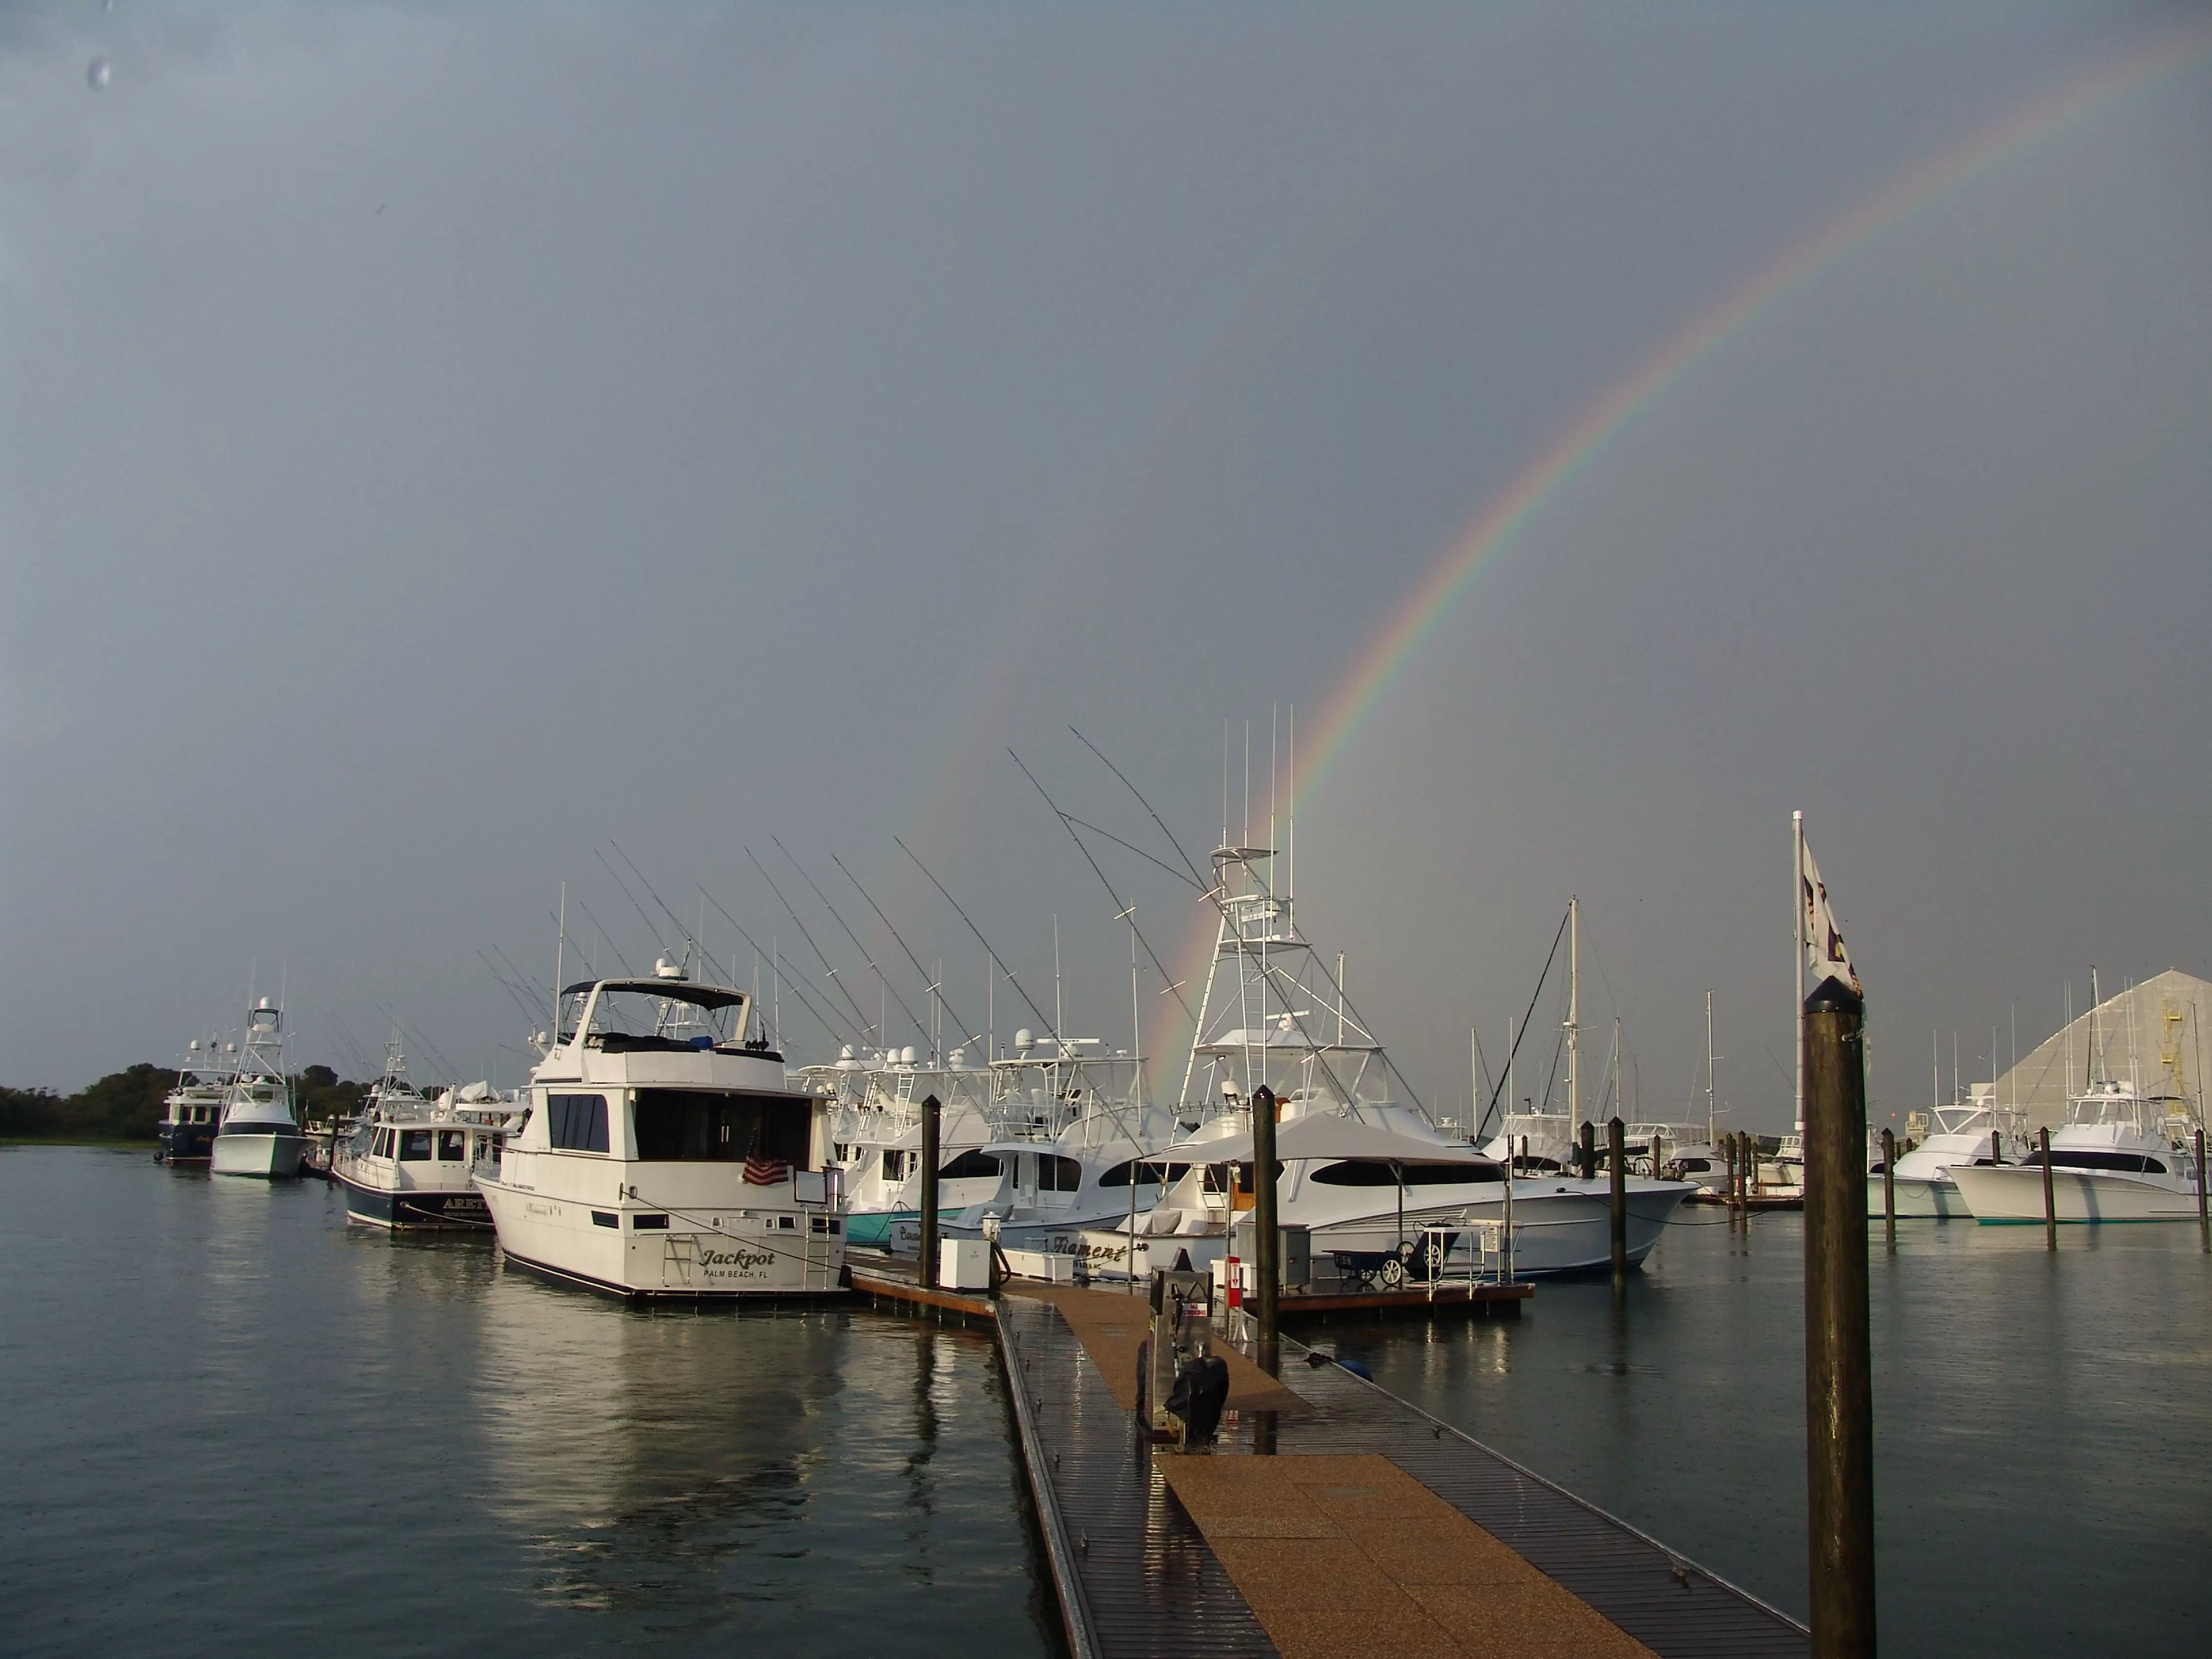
(1067, 1583)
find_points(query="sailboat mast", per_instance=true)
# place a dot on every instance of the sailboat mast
(1574, 1013)
(1708, 1069)
(1797, 971)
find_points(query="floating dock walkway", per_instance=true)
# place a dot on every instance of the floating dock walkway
(1334, 1518)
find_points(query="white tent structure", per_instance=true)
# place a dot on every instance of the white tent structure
(2151, 1034)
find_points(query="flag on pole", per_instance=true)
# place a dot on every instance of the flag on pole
(1826, 955)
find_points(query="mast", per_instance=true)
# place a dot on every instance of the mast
(1797, 971)
(1574, 1015)
(1708, 1069)
(559, 938)
(1512, 1100)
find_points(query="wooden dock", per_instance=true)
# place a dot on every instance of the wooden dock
(1334, 1518)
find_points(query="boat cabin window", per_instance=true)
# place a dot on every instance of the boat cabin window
(451, 1145)
(1058, 1174)
(414, 1145)
(2083, 1158)
(713, 1126)
(1701, 1166)
(577, 1123)
(1150, 1174)
(1374, 1172)
(382, 1146)
(970, 1165)
(895, 1163)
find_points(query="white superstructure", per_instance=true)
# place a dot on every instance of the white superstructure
(663, 1153)
(259, 1136)
(2123, 1155)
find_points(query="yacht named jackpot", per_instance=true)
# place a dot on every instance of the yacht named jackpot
(662, 1155)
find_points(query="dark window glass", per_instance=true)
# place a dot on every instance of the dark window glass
(705, 1125)
(649, 1224)
(577, 1122)
(894, 1164)
(2064, 1157)
(450, 1144)
(972, 1166)
(414, 1144)
(1700, 1166)
(1058, 1174)
(1365, 1172)
(602, 1218)
(383, 1147)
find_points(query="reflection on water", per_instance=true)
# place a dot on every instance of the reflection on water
(294, 1430)
(2042, 1425)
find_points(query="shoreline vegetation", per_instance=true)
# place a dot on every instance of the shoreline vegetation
(124, 1109)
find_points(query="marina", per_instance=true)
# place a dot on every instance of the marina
(594, 1473)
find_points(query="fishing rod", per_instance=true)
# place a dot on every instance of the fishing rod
(996, 960)
(943, 1001)
(659, 950)
(526, 981)
(1132, 847)
(512, 989)
(706, 955)
(1525, 1019)
(1198, 879)
(843, 990)
(881, 977)
(1129, 907)
(797, 989)
(605, 938)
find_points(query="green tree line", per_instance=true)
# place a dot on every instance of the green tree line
(126, 1105)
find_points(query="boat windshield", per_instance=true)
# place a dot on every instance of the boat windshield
(674, 1016)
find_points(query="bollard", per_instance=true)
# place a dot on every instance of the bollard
(933, 1114)
(2203, 1218)
(2050, 1203)
(1617, 1146)
(1839, 1379)
(1266, 1237)
(1590, 1152)
(1889, 1187)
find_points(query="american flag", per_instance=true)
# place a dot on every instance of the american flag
(765, 1171)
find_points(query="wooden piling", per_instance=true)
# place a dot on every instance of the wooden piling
(1889, 1187)
(932, 1124)
(1266, 1234)
(2050, 1202)
(1617, 1148)
(2203, 1218)
(1838, 1377)
(1590, 1152)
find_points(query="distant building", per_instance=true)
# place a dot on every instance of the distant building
(2152, 1034)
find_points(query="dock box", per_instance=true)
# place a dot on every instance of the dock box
(963, 1264)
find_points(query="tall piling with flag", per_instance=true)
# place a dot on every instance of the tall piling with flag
(933, 1114)
(1838, 1347)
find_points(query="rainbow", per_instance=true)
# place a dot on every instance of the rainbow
(1400, 638)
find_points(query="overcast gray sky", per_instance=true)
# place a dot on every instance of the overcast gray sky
(440, 441)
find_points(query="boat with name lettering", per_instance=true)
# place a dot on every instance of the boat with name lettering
(411, 1161)
(662, 1153)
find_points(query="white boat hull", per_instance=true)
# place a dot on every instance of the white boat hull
(1933, 1200)
(1561, 1231)
(2014, 1194)
(272, 1157)
(714, 1254)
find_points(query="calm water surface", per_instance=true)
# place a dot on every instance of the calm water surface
(235, 1425)
(2042, 1425)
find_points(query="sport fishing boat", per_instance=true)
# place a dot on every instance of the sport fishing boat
(2120, 1156)
(876, 1136)
(411, 1161)
(1969, 1134)
(193, 1110)
(259, 1135)
(1366, 1173)
(663, 1155)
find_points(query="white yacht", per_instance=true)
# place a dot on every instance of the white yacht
(411, 1160)
(193, 1110)
(259, 1135)
(1363, 1171)
(1971, 1134)
(663, 1155)
(2120, 1156)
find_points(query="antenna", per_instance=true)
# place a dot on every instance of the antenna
(559, 941)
